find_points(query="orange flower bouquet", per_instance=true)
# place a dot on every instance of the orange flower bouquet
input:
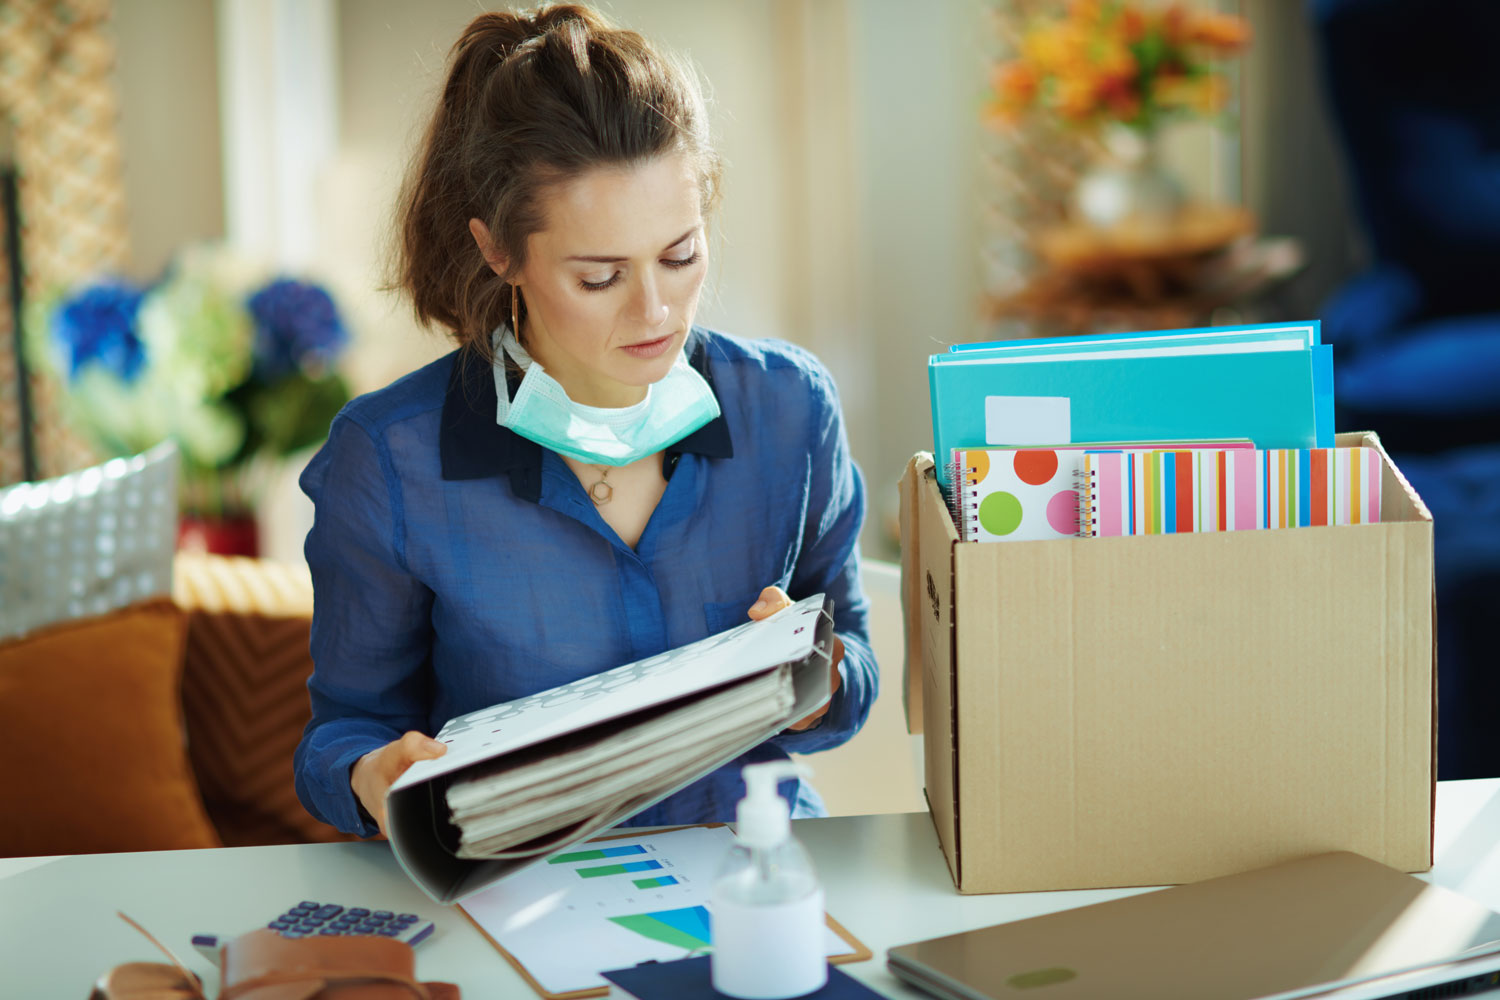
(1124, 61)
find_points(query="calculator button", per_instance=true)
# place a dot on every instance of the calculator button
(359, 911)
(407, 917)
(330, 910)
(388, 932)
(329, 932)
(293, 933)
(309, 904)
(383, 914)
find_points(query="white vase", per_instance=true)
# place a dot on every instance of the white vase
(1128, 184)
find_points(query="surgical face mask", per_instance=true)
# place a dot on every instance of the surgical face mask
(541, 411)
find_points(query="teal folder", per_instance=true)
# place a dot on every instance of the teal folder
(1266, 396)
(1309, 332)
(1322, 366)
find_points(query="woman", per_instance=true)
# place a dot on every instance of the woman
(589, 479)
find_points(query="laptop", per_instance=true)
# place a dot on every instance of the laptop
(1335, 926)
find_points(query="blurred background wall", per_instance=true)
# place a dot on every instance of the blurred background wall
(855, 186)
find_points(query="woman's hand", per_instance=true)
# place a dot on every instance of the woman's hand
(375, 772)
(772, 600)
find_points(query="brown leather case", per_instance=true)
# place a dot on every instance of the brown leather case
(263, 965)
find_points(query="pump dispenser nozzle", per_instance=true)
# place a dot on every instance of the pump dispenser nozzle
(764, 816)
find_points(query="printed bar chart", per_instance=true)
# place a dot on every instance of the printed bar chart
(687, 927)
(597, 855)
(629, 866)
(655, 883)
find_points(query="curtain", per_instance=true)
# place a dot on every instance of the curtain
(57, 92)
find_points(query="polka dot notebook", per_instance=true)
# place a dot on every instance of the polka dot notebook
(1030, 494)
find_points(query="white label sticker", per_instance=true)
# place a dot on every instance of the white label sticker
(1028, 420)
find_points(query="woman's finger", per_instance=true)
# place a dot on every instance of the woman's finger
(377, 771)
(415, 746)
(770, 601)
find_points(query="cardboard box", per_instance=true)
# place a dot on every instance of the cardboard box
(1154, 710)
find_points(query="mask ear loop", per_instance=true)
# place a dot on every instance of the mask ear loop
(515, 322)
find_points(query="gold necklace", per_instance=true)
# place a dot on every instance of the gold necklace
(602, 492)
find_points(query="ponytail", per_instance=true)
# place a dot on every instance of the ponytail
(529, 102)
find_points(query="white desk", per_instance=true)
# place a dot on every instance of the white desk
(885, 879)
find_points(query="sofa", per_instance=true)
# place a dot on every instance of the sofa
(1413, 88)
(170, 723)
(166, 724)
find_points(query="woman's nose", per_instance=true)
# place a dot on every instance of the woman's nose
(653, 310)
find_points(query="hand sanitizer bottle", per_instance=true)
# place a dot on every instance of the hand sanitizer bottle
(767, 905)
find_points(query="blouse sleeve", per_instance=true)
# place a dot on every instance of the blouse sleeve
(371, 628)
(829, 562)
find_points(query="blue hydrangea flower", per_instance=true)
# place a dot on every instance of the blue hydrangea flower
(297, 326)
(97, 325)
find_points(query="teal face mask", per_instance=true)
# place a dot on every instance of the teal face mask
(673, 408)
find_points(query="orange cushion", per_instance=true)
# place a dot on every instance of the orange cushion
(91, 723)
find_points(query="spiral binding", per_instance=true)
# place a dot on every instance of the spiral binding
(1085, 484)
(961, 505)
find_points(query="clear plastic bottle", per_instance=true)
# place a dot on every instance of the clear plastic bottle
(767, 904)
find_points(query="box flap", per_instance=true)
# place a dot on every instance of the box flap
(911, 590)
(931, 620)
(1400, 502)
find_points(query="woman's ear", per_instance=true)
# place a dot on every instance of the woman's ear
(492, 255)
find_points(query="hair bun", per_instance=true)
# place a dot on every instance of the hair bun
(497, 33)
(502, 32)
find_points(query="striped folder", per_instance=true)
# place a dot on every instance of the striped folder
(1170, 492)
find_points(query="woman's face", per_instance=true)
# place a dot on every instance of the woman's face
(611, 284)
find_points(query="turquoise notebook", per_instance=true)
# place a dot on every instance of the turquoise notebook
(1309, 333)
(1271, 396)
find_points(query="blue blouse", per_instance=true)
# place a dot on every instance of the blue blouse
(457, 565)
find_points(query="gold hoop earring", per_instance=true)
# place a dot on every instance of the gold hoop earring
(515, 323)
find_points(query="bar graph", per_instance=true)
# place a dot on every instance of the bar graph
(621, 869)
(686, 927)
(622, 851)
(655, 883)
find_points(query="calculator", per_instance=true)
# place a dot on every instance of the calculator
(310, 918)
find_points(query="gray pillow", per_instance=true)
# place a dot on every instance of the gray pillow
(88, 542)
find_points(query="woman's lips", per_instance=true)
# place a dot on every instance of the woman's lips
(648, 348)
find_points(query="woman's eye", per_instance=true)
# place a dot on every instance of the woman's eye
(683, 261)
(599, 286)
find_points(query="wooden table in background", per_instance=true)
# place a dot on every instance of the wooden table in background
(1145, 276)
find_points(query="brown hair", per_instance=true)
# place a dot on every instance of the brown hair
(531, 101)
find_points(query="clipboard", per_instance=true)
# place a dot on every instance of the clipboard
(860, 952)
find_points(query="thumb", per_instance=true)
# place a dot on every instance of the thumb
(419, 746)
(770, 601)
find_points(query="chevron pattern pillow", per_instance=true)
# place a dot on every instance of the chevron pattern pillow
(244, 694)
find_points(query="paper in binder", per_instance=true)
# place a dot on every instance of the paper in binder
(528, 777)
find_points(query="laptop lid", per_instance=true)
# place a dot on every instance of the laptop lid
(1297, 929)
